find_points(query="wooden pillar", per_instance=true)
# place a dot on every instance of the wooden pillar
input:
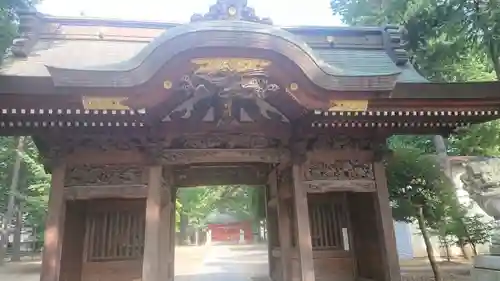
(385, 226)
(172, 232)
(272, 231)
(304, 244)
(157, 234)
(279, 188)
(54, 227)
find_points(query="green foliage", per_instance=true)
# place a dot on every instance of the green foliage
(448, 40)
(470, 230)
(9, 19)
(414, 180)
(424, 144)
(477, 140)
(34, 183)
(243, 201)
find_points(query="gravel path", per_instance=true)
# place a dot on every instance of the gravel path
(233, 263)
(205, 263)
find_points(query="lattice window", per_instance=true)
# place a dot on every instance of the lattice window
(327, 218)
(114, 235)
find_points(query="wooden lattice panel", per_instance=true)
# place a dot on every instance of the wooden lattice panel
(327, 218)
(114, 235)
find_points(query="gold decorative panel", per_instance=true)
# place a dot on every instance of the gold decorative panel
(348, 105)
(105, 103)
(239, 65)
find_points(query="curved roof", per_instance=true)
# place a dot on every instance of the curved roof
(125, 54)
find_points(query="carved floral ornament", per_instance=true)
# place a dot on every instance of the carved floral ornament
(339, 170)
(97, 175)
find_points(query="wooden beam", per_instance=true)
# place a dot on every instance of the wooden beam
(322, 186)
(390, 261)
(107, 191)
(187, 176)
(303, 225)
(97, 157)
(155, 266)
(54, 227)
(189, 156)
(336, 155)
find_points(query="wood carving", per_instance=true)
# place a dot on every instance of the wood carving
(348, 105)
(90, 175)
(188, 156)
(339, 170)
(227, 90)
(105, 103)
(230, 10)
(239, 65)
(220, 175)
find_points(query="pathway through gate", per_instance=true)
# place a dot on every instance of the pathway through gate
(229, 263)
(205, 263)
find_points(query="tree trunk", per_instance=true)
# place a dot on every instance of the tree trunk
(446, 248)
(495, 57)
(183, 229)
(465, 253)
(428, 244)
(197, 236)
(16, 245)
(474, 249)
(5, 231)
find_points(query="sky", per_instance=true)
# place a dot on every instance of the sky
(282, 12)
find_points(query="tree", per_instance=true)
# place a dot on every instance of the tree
(471, 230)
(451, 40)
(419, 192)
(32, 188)
(9, 20)
(9, 212)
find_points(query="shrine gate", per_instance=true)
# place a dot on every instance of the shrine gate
(126, 112)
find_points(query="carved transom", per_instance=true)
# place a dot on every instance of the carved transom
(227, 91)
(94, 175)
(339, 170)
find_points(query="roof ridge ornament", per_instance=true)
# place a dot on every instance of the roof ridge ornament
(231, 10)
